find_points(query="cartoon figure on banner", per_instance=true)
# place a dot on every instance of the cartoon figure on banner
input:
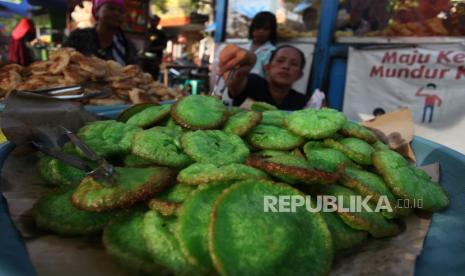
(430, 101)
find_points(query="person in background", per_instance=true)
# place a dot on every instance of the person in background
(106, 40)
(157, 43)
(19, 51)
(263, 36)
(367, 15)
(4, 41)
(284, 69)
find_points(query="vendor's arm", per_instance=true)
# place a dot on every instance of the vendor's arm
(233, 57)
(79, 39)
(159, 44)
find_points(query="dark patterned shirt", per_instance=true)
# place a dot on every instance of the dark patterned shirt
(257, 89)
(86, 41)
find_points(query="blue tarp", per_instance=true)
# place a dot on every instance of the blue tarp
(22, 7)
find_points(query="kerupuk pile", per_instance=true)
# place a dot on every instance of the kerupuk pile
(192, 181)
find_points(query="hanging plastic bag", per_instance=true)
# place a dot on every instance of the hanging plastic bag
(316, 101)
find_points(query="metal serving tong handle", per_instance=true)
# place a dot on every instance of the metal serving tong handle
(57, 91)
(219, 91)
(47, 123)
(103, 171)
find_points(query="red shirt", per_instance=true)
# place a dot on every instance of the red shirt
(431, 100)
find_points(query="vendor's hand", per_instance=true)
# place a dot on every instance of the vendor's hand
(233, 57)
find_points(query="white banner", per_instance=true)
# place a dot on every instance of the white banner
(430, 80)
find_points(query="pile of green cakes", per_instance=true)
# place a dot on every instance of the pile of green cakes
(191, 179)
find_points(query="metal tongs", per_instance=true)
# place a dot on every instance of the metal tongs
(103, 170)
(47, 123)
(219, 91)
(81, 94)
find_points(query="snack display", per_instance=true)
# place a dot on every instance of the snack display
(287, 32)
(407, 18)
(67, 67)
(208, 214)
(429, 27)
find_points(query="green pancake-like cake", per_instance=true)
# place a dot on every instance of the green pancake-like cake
(199, 112)
(246, 240)
(315, 123)
(131, 185)
(150, 116)
(203, 173)
(273, 138)
(194, 221)
(108, 138)
(161, 146)
(408, 182)
(214, 146)
(55, 212)
(356, 149)
(242, 122)
(352, 129)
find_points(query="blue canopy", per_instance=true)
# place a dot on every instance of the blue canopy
(249, 11)
(21, 7)
(302, 7)
(211, 27)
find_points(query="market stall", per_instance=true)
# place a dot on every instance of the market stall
(410, 60)
(189, 187)
(87, 79)
(58, 235)
(185, 61)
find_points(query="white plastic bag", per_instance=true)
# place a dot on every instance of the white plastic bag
(316, 101)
